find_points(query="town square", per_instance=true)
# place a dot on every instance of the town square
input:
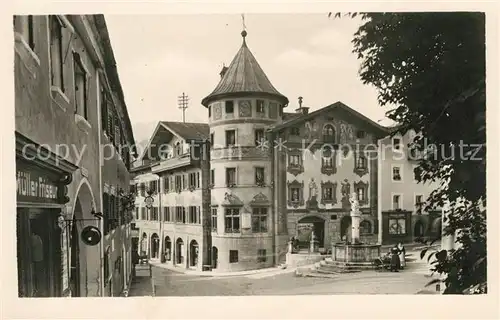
(250, 154)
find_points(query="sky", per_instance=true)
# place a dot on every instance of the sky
(159, 57)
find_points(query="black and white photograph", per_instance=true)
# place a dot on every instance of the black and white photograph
(241, 153)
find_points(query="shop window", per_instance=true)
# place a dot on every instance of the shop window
(397, 226)
(233, 256)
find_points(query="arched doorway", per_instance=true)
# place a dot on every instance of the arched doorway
(179, 249)
(215, 257)
(306, 226)
(345, 228)
(193, 253)
(436, 227)
(418, 229)
(155, 246)
(85, 260)
(168, 248)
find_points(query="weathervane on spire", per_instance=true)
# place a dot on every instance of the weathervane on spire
(244, 32)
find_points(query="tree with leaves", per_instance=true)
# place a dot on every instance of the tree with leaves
(431, 68)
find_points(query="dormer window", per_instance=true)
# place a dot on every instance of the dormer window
(230, 106)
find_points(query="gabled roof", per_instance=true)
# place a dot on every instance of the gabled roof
(287, 116)
(336, 105)
(189, 130)
(244, 75)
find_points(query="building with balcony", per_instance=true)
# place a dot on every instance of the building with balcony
(265, 176)
(169, 202)
(73, 138)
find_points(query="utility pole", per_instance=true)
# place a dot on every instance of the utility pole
(183, 102)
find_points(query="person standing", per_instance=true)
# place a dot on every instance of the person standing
(402, 255)
(395, 262)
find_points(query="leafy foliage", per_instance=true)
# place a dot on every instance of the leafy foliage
(431, 67)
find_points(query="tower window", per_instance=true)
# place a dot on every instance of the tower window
(230, 138)
(229, 106)
(260, 106)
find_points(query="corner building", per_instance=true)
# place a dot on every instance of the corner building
(266, 176)
(241, 109)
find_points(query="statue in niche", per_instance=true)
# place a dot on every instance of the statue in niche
(217, 109)
(313, 194)
(346, 194)
(245, 108)
(311, 129)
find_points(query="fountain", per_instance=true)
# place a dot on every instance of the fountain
(355, 253)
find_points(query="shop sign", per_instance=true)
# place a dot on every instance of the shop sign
(33, 186)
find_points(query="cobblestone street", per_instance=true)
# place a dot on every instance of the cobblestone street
(409, 281)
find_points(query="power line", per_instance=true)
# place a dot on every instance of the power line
(183, 102)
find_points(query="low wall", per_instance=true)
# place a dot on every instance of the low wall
(298, 260)
(355, 253)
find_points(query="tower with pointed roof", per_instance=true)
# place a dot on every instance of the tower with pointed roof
(241, 108)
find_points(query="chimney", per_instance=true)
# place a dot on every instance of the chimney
(223, 71)
(301, 109)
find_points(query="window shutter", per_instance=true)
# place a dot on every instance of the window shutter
(375, 226)
(117, 131)
(110, 123)
(104, 110)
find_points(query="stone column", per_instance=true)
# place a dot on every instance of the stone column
(355, 220)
